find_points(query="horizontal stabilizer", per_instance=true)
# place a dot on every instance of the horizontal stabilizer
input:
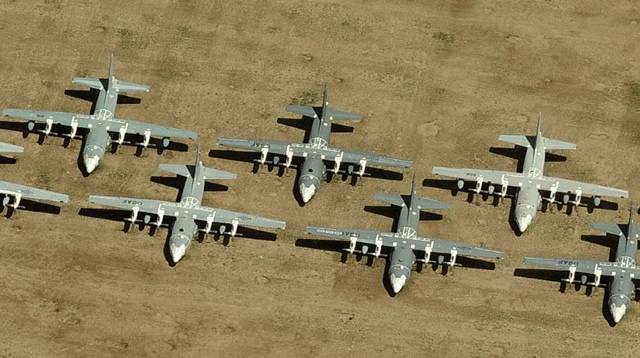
(520, 140)
(210, 173)
(551, 144)
(177, 169)
(613, 229)
(306, 111)
(336, 115)
(124, 86)
(392, 199)
(6, 148)
(89, 82)
(429, 204)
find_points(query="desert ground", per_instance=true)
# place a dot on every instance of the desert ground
(438, 81)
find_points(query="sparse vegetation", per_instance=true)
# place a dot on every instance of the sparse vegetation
(306, 98)
(184, 31)
(130, 39)
(446, 38)
(634, 88)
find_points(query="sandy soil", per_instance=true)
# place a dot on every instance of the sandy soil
(438, 82)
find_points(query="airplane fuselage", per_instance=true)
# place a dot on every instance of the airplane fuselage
(98, 140)
(184, 228)
(402, 256)
(528, 197)
(313, 169)
(621, 286)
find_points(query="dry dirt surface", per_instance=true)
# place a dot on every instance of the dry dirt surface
(438, 81)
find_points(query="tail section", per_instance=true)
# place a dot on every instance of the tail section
(327, 113)
(423, 203)
(211, 174)
(112, 82)
(204, 173)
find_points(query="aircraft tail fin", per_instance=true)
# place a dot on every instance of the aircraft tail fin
(89, 82)
(187, 171)
(613, 229)
(423, 203)
(519, 140)
(211, 174)
(177, 169)
(392, 199)
(128, 87)
(551, 144)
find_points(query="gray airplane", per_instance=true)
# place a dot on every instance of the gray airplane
(19, 192)
(102, 124)
(531, 181)
(405, 243)
(622, 272)
(316, 151)
(189, 212)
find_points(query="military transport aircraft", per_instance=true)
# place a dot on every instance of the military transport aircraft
(622, 272)
(19, 192)
(317, 150)
(405, 244)
(531, 181)
(188, 212)
(102, 124)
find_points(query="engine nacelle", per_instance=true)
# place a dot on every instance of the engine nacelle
(350, 169)
(165, 142)
(491, 189)
(5, 200)
(565, 198)
(276, 160)
(31, 125)
(222, 229)
(596, 200)
(365, 249)
(583, 279)
(146, 219)
(460, 184)
(440, 259)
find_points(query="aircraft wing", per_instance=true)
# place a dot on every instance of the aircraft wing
(27, 192)
(304, 149)
(356, 157)
(228, 216)
(155, 130)
(582, 266)
(144, 205)
(363, 236)
(566, 185)
(61, 118)
(461, 249)
(6, 148)
(494, 176)
(391, 239)
(273, 146)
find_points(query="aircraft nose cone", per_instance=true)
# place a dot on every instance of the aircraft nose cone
(307, 192)
(91, 162)
(177, 252)
(617, 311)
(397, 282)
(524, 222)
